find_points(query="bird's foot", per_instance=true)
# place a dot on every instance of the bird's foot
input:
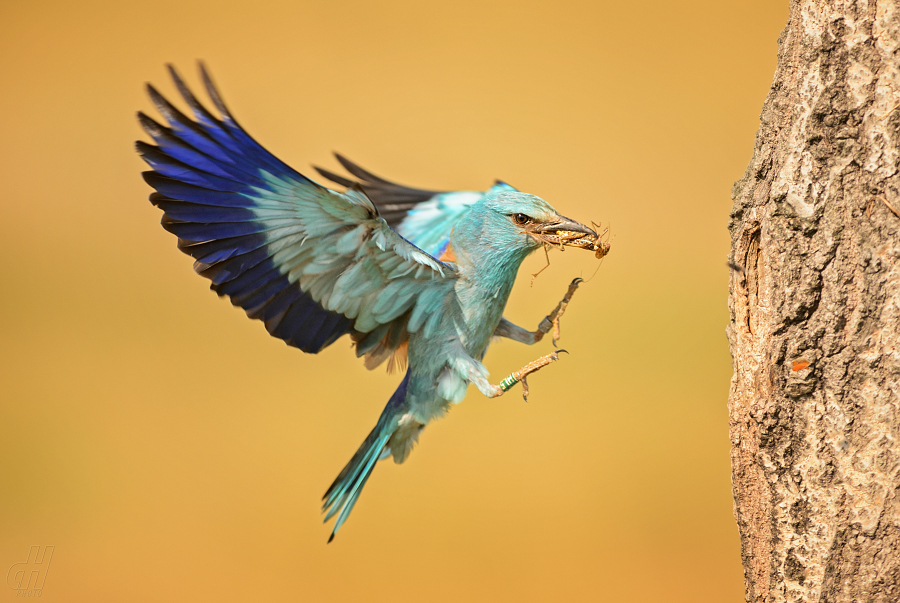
(531, 367)
(552, 319)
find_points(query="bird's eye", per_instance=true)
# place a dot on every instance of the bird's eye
(521, 219)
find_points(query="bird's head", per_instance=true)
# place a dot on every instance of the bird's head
(533, 222)
(513, 224)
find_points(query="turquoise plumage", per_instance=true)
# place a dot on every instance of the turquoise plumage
(414, 276)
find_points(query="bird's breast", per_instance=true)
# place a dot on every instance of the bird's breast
(482, 307)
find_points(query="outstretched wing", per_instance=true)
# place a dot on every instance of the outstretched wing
(423, 217)
(311, 263)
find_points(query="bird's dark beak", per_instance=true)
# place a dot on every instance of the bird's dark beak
(565, 231)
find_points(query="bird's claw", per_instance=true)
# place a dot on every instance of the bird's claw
(537, 365)
(522, 374)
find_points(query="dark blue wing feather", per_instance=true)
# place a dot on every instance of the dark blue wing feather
(285, 249)
(203, 191)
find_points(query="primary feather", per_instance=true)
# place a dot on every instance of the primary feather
(311, 263)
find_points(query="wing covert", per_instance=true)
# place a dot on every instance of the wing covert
(424, 217)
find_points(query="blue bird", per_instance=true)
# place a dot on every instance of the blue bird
(414, 277)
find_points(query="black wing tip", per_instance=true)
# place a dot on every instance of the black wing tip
(148, 122)
(363, 174)
(157, 198)
(150, 176)
(499, 182)
(153, 128)
(183, 88)
(176, 77)
(144, 148)
(329, 175)
(155, 179)
(157, 98)
(213, 91)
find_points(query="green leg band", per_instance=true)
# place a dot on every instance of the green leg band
(507, 383)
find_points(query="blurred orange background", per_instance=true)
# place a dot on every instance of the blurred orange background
(171, 450)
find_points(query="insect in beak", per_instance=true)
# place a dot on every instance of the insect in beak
(566, 232)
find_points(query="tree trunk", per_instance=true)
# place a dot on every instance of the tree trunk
(815, 314)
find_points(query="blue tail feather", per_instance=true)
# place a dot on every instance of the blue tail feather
(343, 493)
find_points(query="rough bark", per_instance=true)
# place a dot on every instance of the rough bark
(815, 314)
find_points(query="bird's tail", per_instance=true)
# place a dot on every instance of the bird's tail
(342, 494)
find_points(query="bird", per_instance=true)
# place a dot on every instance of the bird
(416, 278)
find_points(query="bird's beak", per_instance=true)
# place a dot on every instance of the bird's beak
(566, 232)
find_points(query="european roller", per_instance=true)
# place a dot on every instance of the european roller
(417, 278)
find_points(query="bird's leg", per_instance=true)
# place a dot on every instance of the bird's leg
(522, 374)
(507, 329)
(475, 373)
(552, 319)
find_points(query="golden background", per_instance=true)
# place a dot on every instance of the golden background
(172, 451)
